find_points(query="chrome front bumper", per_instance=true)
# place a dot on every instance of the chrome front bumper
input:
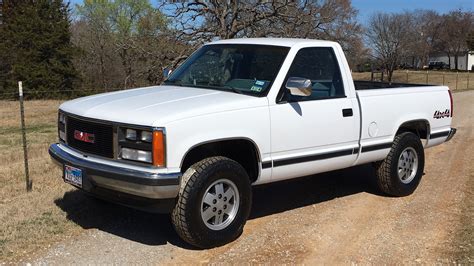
(144, 184)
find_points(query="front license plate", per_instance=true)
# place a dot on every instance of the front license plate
(73, 175)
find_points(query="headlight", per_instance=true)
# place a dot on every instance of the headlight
(142, 145)
(136, 155)
(146, 136)
(131, 134)
(62, 127)
(62, 118)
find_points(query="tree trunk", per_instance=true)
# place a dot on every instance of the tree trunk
(449, 60)
(456, 59)
(389, 76)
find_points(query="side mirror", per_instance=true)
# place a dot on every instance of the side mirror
(299, 86)
(166, 73)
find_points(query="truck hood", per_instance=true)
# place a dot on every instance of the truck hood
(158, 105)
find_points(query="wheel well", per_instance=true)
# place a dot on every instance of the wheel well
(242, 151)
(419, 127)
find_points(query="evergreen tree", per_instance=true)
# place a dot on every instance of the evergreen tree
(35, 46)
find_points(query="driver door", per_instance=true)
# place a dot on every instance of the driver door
(315, 133)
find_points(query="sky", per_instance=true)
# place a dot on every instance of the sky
(368, 7)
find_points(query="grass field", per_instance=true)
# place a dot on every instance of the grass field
(53, 211)
(33, 221)
(464, 80)
(29, 220)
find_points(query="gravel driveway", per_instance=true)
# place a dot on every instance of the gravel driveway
(337, 217)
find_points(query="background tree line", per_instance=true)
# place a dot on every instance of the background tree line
(107, 45)
(411, 37)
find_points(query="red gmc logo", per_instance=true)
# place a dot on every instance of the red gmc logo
(83, 136)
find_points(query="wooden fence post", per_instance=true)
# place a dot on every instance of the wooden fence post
(467, 86)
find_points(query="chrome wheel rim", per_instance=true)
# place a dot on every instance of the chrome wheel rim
(220, 204)
(407, 165)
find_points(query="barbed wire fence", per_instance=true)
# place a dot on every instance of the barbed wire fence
(456, 81)
(23, 95)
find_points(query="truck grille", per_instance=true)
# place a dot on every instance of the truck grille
(102, 143)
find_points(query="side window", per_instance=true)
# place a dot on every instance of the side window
(319, 65)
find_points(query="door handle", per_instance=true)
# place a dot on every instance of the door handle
(347, 112)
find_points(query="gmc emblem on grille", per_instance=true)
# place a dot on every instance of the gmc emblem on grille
(83, 136)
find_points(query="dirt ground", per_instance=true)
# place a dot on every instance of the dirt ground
(337, 217)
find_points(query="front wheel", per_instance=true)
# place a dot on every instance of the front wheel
(213, 203)
(400, 173)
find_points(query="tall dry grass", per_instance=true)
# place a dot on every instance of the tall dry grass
(29, 220)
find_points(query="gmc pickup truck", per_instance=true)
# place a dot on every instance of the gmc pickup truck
(245, 112)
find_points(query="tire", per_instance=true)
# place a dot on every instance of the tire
(200, 183)
(395, 174)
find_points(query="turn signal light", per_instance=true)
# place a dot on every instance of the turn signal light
(158, 148)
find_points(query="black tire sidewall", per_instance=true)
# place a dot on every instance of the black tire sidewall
(229, 170)
(407, 140)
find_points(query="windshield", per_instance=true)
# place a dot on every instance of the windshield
(239, 68)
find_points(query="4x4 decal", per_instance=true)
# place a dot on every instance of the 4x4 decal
(439, 114)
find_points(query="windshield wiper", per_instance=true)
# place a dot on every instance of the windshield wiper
(227, 88)
(176, 82)
(232, 89)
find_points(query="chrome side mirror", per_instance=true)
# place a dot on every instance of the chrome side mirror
(299, 86)
(166, 73)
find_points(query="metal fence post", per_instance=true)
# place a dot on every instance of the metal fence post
(457, 76)
(426, 77)
(29, 183)
(407, 76)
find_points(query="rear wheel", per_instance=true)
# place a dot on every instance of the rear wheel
(213, 203)
(400, 173)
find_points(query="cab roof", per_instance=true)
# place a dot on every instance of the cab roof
(287, 42)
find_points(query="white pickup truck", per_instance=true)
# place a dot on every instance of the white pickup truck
(245, 112)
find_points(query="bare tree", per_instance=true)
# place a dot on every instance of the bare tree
(205, 20)
(202, 21)
(454, 35)
(124, 43)
(470, 40)
(389, 36)
(426, 29)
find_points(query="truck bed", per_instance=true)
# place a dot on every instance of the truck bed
(371, 85)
